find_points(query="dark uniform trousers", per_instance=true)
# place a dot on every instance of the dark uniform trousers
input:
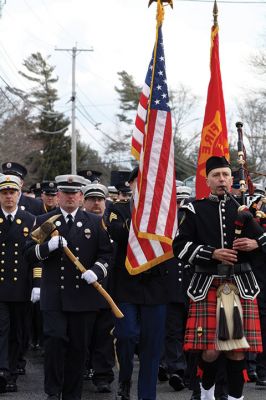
(69, 305)
(15, 289)
(142, 299)
(66, 336)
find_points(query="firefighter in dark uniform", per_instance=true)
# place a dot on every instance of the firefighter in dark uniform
(48, 194)
(15, 279)
(142, 298)
(68, 302)
(223, 313)
(34, 206)
(173, 363)
(101, 353)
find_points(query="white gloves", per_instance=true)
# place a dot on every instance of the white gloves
(56, 242)
(35, 294)
(89, 276)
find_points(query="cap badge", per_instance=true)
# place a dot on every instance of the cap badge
(8, 178)
(79, 224)
(51, 184)
(70, 179)
(126, 184)
(87, 232)
(18, 221)
(9, 165)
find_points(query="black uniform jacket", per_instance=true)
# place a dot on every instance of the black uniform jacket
(148, 287)
(61, 286)
(27, 203)
(209, 224)
(15, 271)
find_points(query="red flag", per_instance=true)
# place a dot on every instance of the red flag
(154, 221)
(214, 140)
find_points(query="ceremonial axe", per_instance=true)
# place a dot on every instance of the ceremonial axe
(48, 228)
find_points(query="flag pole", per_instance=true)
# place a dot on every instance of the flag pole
(215, 13)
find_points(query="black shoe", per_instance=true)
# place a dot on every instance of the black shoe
(103, 387)
(223, 396)
(261, 382)
(195, 395)
(124, 391)
(88, 374)
(162, 374)
(21, 371)
(11, 387)
(176, 382)
(3, 382)
(252, 376)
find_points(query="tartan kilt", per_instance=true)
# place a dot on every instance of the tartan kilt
(201, 324)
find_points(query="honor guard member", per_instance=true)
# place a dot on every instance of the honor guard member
(34, 206)
(15, 279)
(92, 175)
(68, 302)
(49, 195)
(142, 298)
(173, 362)
(223, 312)
(101, 352)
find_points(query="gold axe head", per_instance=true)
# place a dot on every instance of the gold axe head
(41, 234)
(170, 2)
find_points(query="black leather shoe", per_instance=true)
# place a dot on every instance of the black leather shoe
(162, 374)
(3, 382)
(195, 395)
(223, 396)
(261, 382)
(176, 382)
(21, 371)
(252, 375)
(103, 387)
(124, 391)
(11, 387)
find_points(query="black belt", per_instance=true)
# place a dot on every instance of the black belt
(223, 269)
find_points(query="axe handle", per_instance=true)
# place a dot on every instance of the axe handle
(96, 284)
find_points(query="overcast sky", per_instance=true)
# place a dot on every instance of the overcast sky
(122, 35)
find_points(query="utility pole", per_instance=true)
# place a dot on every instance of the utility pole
(74, 51)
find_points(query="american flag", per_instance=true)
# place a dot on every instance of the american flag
(154, 221)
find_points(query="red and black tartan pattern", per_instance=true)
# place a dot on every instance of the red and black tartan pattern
(201, 325)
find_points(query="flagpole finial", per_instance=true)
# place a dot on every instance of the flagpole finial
(215, 13)
(170, 2)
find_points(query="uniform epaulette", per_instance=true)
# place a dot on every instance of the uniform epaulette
(189, 207)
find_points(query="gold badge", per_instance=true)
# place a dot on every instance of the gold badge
(18, 221)
(25, 231)
(1, 220)
(87, 232)
(199, 331)
(112, 216)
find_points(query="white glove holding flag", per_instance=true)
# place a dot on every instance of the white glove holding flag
(89, 276)
(35, 294)
(56, 242)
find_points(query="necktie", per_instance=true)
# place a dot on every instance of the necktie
(69, 221)
(9, 219)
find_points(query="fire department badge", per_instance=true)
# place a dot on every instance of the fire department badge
(87, 232)
(25, 231)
